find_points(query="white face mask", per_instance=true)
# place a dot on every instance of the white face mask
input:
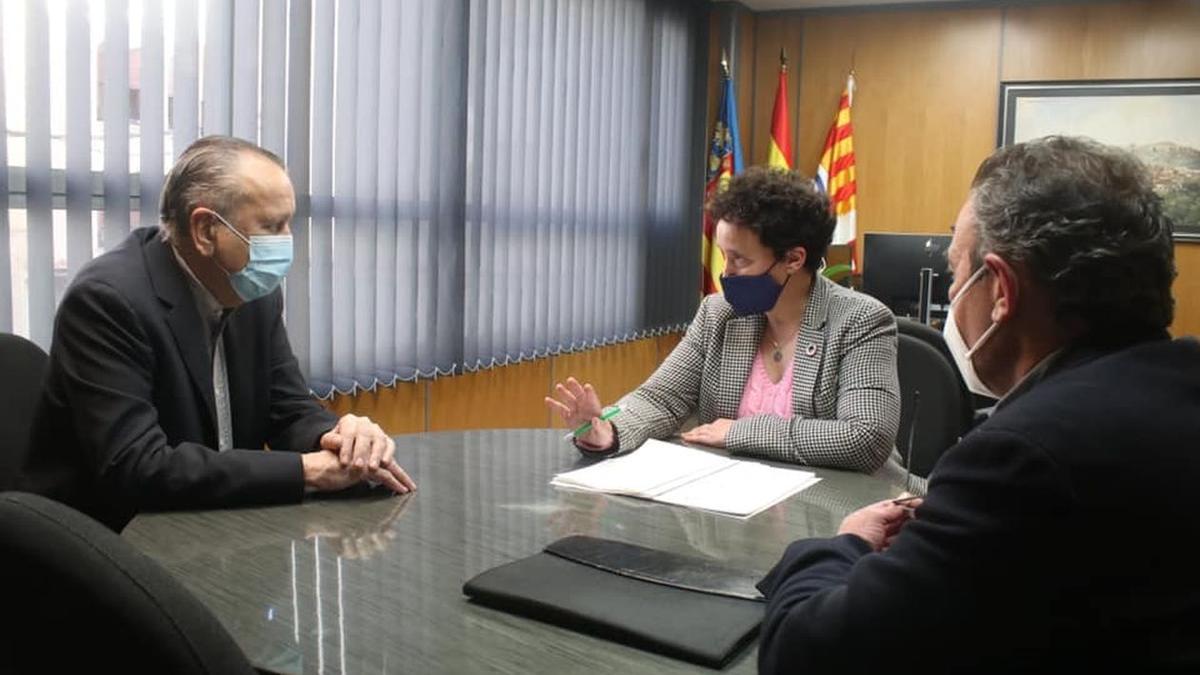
(958, 347)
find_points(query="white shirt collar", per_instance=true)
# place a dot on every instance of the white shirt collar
(207, 304)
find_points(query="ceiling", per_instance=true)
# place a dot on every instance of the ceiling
(769, 5)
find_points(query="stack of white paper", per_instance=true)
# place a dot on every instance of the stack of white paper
(673, 474)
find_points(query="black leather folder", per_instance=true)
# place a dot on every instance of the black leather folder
(686, 607)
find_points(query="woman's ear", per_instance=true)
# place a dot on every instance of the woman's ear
(795, 258)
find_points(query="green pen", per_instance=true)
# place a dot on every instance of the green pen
(587, 426)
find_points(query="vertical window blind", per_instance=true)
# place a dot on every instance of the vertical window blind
(478, 181)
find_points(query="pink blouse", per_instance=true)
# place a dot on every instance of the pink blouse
(764, 397)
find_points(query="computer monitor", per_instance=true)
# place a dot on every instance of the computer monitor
(892, 266)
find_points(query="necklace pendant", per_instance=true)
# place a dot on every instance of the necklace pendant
(778, 356)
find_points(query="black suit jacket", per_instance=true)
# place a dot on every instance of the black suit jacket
(1051, 540)
(127, 420)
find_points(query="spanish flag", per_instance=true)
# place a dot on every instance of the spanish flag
(835, 172)
(724, 160)
(780, 153)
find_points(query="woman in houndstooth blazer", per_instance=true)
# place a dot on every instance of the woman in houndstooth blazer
(777, 313)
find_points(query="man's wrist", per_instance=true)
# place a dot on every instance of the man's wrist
(311, 471)
(858, 540)
(317, 444)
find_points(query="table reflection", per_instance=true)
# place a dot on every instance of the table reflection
(372, 582)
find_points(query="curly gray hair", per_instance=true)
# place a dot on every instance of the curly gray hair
(1084, 219)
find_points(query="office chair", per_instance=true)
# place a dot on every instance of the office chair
(927, 334)
(23, 364)
(981, 404)
(935, 406)
(72, 583)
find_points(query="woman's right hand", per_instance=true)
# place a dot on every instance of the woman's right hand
(577, 405)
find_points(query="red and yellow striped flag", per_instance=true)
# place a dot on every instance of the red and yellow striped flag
(835, 172)
(780, 153)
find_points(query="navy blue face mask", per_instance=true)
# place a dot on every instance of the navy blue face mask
(752, 294)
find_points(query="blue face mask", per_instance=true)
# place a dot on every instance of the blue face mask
(270, 258)
(752, 294)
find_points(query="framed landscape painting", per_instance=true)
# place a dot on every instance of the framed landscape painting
(1159, 121)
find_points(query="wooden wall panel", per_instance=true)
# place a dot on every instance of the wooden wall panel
(1187, 290)
(399, 409)
(1106, 40)
(924, 108)
(743, 77)
(771, 35)
(1114, 40)
(613, 371)
(666, 343)
(505, 397)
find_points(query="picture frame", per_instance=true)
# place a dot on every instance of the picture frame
(1157, 120)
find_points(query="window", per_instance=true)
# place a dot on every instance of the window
(478, 181)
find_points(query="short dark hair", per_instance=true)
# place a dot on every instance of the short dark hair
(783, 208)
(204, 176)
(1084, 219)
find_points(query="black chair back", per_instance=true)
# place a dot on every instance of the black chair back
(935, 407)
(927, 334)
(73, 582)
(24, 366)
(934, 338)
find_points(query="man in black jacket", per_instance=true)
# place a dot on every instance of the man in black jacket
(171, 371)
(1051, 536)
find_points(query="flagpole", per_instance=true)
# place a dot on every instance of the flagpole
(779, 151)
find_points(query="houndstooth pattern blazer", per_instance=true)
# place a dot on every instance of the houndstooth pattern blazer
(845, 392)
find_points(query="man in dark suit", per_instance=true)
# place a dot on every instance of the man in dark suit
(171, 371)
(1051, 536)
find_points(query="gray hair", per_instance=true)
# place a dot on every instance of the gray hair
(205, 176)
(1083, 218)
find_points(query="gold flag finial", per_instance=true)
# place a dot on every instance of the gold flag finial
(783, 57)
(725, 64)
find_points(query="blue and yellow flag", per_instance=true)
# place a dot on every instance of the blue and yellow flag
(724, 160)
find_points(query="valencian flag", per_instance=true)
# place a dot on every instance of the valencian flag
(835, 173)
(780, 153)
(724, 160)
